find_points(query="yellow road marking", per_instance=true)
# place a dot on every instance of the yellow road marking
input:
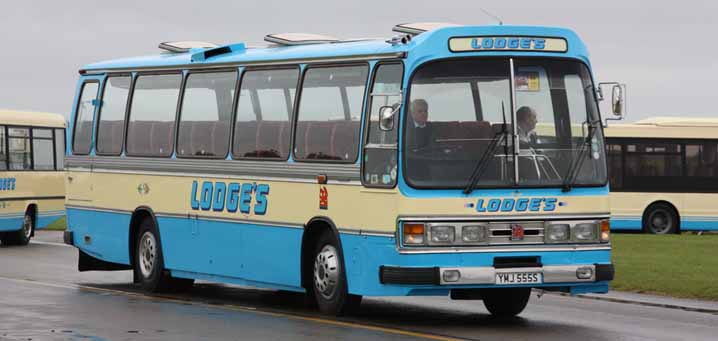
(240, 308)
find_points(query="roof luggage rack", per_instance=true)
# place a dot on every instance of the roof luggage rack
(294, 39)
(185, 46)
(417, 28)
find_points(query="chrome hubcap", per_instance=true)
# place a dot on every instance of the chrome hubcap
(326, 271)
(27, 226)
(147, 254)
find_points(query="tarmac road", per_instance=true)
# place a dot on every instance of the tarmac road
(42, 296)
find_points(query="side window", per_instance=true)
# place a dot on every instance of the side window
(111, 126)
(329, 113)
(43, 155)
(266, 102)
(151, 127)
(380, 151)
(3, 148)
(615, 165)
(59, 149)
(19, 148)
(84, 118)
(206, 114)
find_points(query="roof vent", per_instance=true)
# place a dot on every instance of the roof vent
(185, 46)
(416, 28)
(293, 39)
(203, 55)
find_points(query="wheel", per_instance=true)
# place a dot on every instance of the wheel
(660, 218)
(149, 265)
(22, 236)
(329, 281)
(506, 302)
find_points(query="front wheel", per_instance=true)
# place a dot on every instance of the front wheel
(506, 302)
(22, 236)
(329, 282)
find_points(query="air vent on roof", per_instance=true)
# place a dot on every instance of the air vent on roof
(217, 51)
(185, 46)
(421, 27)
(292, 39)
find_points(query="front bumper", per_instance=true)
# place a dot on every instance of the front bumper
(486, 275)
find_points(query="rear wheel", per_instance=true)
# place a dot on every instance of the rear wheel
(506, 302)
(660, 218)
(149, 264)
(22, 236)
(329, 283)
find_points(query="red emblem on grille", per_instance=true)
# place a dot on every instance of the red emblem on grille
(517, 232)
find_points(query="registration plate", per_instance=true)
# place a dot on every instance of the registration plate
(504, 278)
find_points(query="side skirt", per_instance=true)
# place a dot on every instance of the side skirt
(86, 262)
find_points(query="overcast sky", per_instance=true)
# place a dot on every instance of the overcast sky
(666, 51)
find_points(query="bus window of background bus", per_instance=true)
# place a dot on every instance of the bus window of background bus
(151, 127)
(3, 149)
(329, 113)
(111, 126)
(59, 149)
(19, 145)
(43, 156)
(266, 102)
(615, 166)
(379, 168)
(206, 114)
(84, 119)
(468, 102)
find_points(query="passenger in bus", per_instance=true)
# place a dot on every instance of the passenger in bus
(526, 123)
(418, 132)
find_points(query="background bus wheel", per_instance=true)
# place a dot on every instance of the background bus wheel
(22, 236)
(506, 302)
(660, 218)
(329, 279)
(149, 265)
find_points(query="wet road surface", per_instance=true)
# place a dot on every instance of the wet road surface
(42, 296)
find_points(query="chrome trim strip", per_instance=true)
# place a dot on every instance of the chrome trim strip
(367, 233)
(209, 66)
(504, 248)
(521, 218)
(487, 274)
(306, 172)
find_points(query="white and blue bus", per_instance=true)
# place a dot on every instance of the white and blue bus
(345, 168)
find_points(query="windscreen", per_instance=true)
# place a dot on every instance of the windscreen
(461, 125)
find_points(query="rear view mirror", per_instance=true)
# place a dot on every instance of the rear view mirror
(386, 118)
(617, 100)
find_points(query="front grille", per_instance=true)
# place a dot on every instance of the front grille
(500, 233)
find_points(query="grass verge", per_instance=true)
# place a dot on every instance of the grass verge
(673, 265)
(58, 225)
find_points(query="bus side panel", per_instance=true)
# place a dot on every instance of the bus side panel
(369, 253)
(11, 222)
(104, 235)
(627, 208)
(256, 253)
(699, 212)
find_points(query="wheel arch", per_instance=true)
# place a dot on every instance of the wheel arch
(312, 230)
(32, 208)
(667, 203)
(140, 213)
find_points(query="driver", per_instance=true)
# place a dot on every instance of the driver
(418, 132)
(526, 123)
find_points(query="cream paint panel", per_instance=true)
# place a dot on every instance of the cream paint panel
(458, 206)
(627, 204)
(31, 185)
(699, 205)
(350, 207)
(465, 44)
(79, 188)
(653, 131)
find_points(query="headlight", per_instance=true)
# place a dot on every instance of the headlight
(473, 233)
(558, 233)
(442, 234)
(585, 231)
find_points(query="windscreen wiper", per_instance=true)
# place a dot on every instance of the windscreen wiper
(576, 163)
(483, 163)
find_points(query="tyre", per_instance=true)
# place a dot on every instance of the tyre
(22, 236)
(329, 283)
(660, 218)
(506, 302)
